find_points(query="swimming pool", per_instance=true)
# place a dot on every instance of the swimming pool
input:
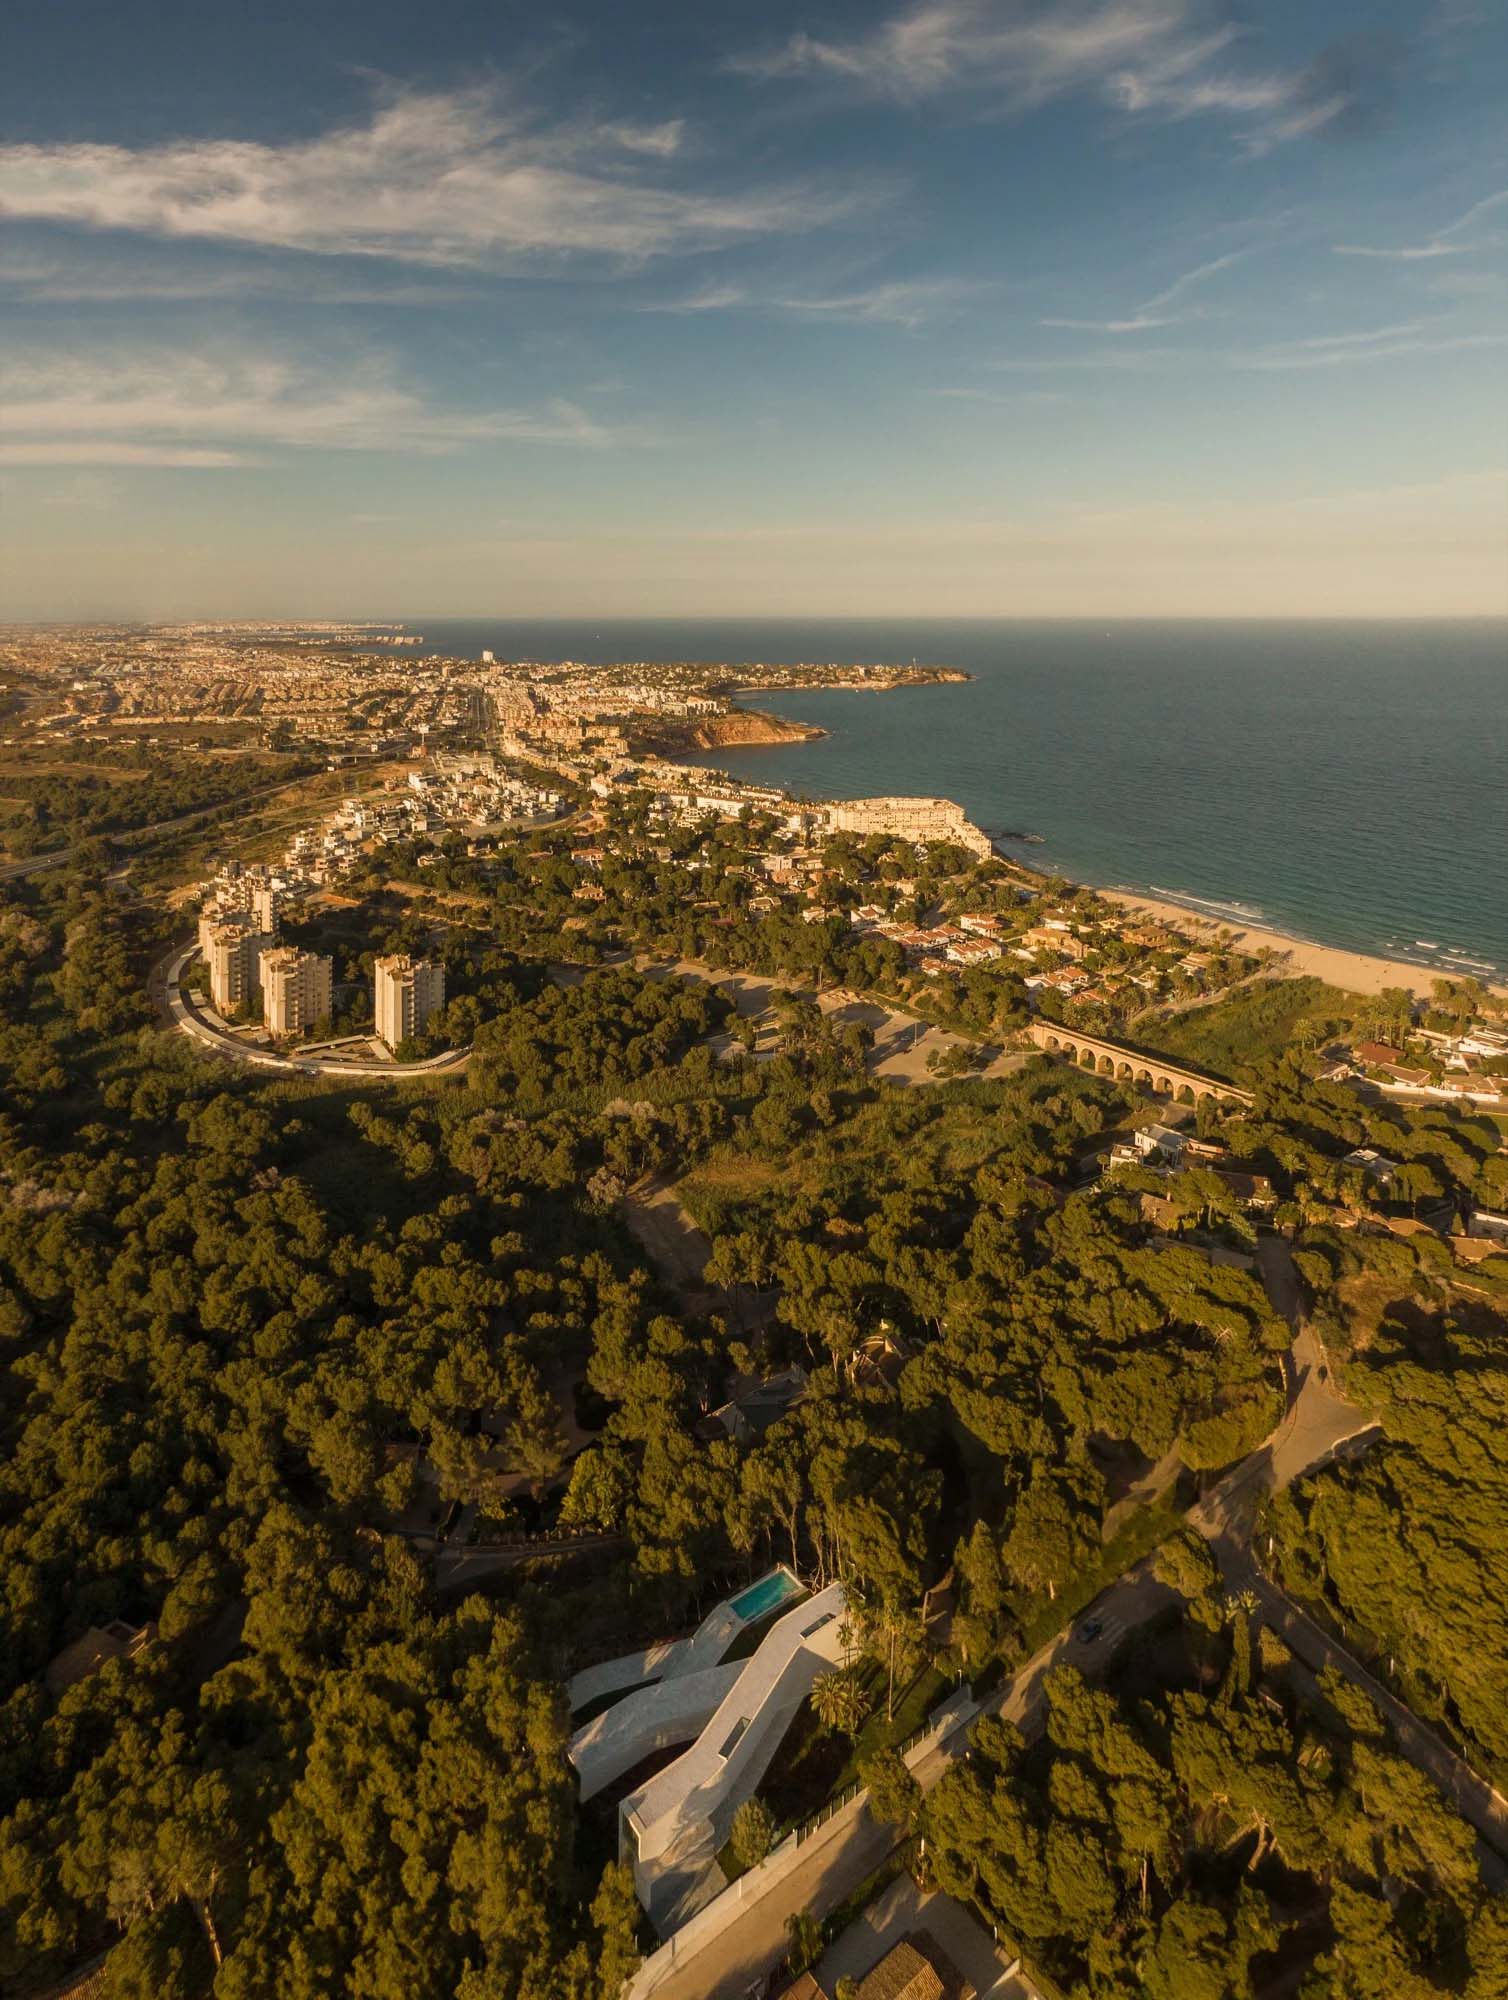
(764, 1596)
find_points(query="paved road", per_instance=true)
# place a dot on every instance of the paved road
(1483, 1808)
(1317, 1427)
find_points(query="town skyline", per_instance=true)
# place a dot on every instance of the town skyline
(1077, 309)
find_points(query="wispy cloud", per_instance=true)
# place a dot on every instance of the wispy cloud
(1472, 286)
(1456, 239)
(899, 302)
(1115, 360)
(995, 399)
(111, 451)
(1147, 57)
(1034, 52)
(441, 179)
(88, 275)
(661, 141)
(1328, 350)
(1154, 312)
(706, 298)
(186, 409)
(1383, 343)
(903, 303)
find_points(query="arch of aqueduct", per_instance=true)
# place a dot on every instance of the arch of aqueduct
(1115, 1059)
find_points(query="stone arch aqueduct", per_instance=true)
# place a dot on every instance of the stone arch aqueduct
(1130, 1065)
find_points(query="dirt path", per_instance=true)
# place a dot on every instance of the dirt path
(678, 1248)
(666, 1233)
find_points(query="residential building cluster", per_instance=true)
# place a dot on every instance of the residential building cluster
(921, 821)
(685, 794)
(312, 688)
(294, 988)
(1466, 1065)
(347, 691)
(250, 968)
(1050, 953)
(1084, 953)
(466, 794)
(362, 689)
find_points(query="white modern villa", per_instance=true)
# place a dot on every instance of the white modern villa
(733, 1717)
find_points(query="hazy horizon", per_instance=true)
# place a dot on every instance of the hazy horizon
(415, 624)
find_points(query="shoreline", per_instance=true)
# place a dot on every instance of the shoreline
(1358, 972)
(1354, 971)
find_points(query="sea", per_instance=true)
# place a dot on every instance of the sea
(1346, 783)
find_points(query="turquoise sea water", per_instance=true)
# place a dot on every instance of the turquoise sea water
(1344, 782)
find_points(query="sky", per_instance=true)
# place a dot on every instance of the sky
(1029, 308)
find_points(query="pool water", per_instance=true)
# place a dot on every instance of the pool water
(765, 1595)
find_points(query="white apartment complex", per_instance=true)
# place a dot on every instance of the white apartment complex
(407, 994)
(297, 989)
(256, 891)
(920, 820)
(232, 947)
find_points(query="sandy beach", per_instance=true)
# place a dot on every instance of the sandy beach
(1355, 971)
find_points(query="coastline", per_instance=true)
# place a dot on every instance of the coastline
(1355, 971)
(1351, 971)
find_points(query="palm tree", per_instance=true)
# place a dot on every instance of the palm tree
(839, 1701)
(805, 1935)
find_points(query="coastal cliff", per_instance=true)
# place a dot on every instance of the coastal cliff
(750, 725)
(738, 727)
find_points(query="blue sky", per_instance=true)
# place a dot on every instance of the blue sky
(1036, 307)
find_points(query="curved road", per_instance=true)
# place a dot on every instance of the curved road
(166, 989)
